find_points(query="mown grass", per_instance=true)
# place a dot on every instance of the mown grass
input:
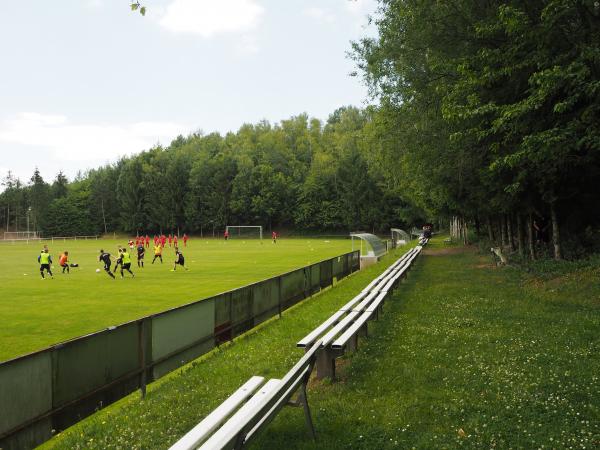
(465, 355)
(176, 403)
(37, 313)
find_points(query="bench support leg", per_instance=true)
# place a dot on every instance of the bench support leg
(325, 364)
(304, 399)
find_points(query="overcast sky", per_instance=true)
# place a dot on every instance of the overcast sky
(85, 81)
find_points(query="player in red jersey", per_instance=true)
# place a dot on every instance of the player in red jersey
(147, 241)
(185, 239)
(170, 239)
(274, 237)
(226, 235)
(175, 241)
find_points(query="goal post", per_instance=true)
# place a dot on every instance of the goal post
(21, 235)
(245, 231)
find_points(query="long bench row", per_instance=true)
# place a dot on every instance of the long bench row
(240, 417)
(340, 332)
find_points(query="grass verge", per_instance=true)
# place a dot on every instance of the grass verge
(176, 403)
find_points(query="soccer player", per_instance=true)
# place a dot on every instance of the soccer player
(155, 240)
(141, 252)
(175, 239)
(157, 253)
(45, 261)
(119, 259)
(163, 241)
(179, 259)
(170, 239)
(63, 261)
(125, 262)
(185, 239)
(105, 258)
(147, 241)
(274, 237)
(226, 235)
(131, 245)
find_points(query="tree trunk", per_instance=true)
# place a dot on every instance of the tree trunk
(509, 230)
(555, 232)
(490, 230)
(503, 231)
(520, 235)
(530, 237)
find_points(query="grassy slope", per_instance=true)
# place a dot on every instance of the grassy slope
(465, 346)
(36, 313)
(177, 402)
(465, 355)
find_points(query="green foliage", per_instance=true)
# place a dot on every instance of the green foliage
(487, 108)
(298, 174)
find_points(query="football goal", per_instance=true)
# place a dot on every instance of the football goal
(20, 235)
(245, 231)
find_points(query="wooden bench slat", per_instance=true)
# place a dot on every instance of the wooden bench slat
(348, 306)
(340, 342)
(375, 304)
(346, 321)
(210, 423)
(226, 436)
(278, 405)
(310, 338)
(368, 299)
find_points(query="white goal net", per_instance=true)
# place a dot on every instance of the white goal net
(245, 231)
(20, 235)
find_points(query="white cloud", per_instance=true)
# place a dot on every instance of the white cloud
(210, 17)
(361, 7)
(95, 3)
(320, 14)
(91, 143)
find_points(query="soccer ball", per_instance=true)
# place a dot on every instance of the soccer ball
(97, 270)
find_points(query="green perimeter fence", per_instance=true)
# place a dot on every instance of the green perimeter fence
(47, 391)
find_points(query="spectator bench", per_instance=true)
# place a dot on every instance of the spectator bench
(250, 409)
(340, 332)
(240, 418)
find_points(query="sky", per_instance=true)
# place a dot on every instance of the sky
(83, 82)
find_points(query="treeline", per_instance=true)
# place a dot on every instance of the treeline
(490, 113)
(299, 174)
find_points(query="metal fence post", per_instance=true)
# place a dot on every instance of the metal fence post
(142, 355)
(279, 294)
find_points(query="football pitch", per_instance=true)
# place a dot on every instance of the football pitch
(38, 313)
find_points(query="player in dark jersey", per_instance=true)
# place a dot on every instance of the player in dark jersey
(105, 258)
(141, 252)
(179, 260)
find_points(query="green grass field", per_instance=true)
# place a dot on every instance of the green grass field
(37, 313)
(464, 355)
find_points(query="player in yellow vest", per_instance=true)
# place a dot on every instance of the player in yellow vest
(157, 253)
(124, 261)
(45, 261)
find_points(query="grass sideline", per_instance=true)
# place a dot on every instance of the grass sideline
(465, 355)
(177, 402)
(37, 313)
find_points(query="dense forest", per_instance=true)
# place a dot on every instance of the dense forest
(485, 116)
(300, 175)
